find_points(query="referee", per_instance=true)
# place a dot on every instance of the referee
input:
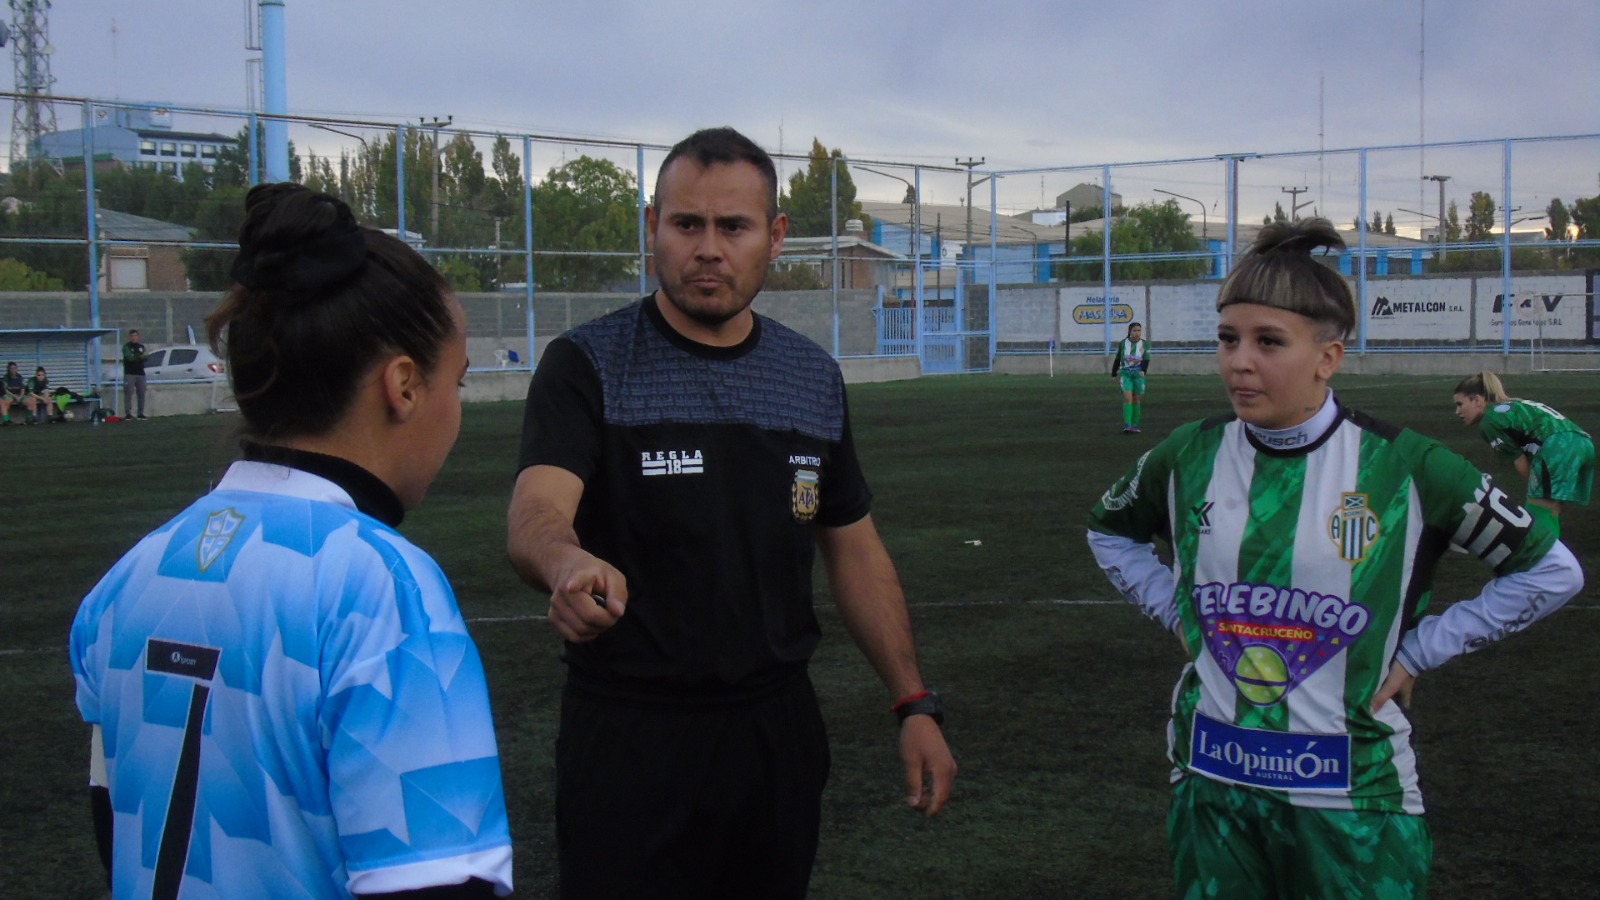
(682, 459)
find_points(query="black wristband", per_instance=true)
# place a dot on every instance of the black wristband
(926, 705)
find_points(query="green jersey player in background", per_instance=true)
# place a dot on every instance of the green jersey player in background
(1129, 365)
(1305, 537)
(1548, 449)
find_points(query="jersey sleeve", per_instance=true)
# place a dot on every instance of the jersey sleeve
(847, 498)
(413, 766)
(1507, 604)
(1144, 361)
(1479, 517)
(1116, 361)
(1136, 571)
(1136, 506)
(1534, 573)
(1123, 527)
(564, 413)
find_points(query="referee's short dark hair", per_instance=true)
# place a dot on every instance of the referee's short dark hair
(1279, 271)
(727, 146)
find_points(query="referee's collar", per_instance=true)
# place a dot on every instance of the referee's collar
(367, 491)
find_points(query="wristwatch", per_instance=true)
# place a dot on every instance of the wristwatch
(925, 703)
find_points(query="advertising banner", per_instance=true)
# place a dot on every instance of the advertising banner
(1549, 307)
(1427, 309)
(1084, 311)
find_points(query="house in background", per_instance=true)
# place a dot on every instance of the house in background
(145, 256)
(136, 137)
(862, 263)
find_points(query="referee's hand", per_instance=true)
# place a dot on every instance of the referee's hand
(930, 769)
(590, 597)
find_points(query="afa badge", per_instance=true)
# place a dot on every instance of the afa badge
(1353, 527)
(221, 527)
(805, 495)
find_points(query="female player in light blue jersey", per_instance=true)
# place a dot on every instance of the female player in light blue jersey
(1305, 536)
(284, 698)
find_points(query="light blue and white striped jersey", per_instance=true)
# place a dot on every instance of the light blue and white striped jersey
(289, 702)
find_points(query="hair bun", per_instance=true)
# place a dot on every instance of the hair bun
(1302, 236)
(295, 239)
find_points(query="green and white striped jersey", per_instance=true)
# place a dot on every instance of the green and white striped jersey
(1516, 427)
(1133, 357)
(1298, 570)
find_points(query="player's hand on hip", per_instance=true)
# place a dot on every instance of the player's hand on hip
(589, 598)
(1397, 686)
(930, 769)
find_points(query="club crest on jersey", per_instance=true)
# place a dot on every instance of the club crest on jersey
(671, 462)
(1353, 527)
(221, 527)
(805, 495)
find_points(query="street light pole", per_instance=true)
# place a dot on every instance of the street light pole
(1204, 225)
(1441, 179)
(910, 198)
(344, 159)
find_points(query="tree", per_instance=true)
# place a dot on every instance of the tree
(16, 276)
(1560, 221)
(233, 163)
(1585, 212)
(1377, 223)
(798, 276)
(49, 205)
(1388, 224)
(504, 199)
(809, 198)
(1452, 224)
(1149, 228)
(216, 219)
(1480, 217)
(587, 204)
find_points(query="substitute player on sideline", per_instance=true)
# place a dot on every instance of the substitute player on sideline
(1305, 537)
(1548, 449)
(284, 696)
(682, 460)
(1129, 365)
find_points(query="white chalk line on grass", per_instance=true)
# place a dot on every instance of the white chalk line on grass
(934, 604)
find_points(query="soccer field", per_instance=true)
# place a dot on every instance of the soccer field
(1056, 689)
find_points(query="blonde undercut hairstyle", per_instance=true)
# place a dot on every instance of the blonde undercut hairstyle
(1278, 271)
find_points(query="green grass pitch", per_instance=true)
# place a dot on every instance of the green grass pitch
(1056, 689)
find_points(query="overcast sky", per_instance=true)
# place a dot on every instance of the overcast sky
(1021, 85)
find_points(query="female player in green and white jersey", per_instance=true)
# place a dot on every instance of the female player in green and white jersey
(1130, 364)
(1549, 449)
(1305, 537)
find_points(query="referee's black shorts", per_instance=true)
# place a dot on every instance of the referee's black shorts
(694, 801)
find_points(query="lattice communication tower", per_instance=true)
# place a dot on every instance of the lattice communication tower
(34, 114)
